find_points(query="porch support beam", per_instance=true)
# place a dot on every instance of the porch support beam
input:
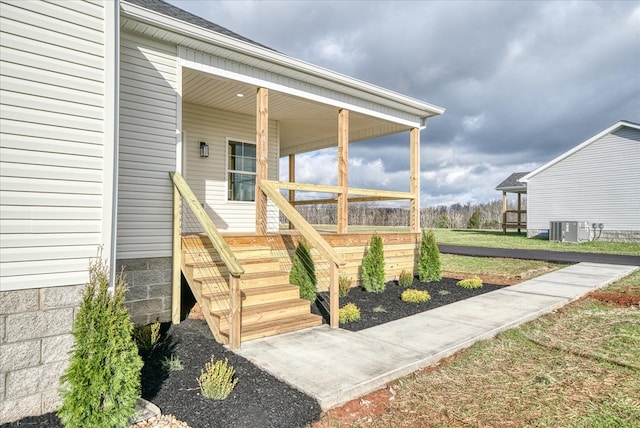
(176, 273)
(343, 170)
(414, 180)
(262, 154)
(292, 179)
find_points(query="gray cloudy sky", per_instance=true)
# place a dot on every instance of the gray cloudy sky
(522, 81)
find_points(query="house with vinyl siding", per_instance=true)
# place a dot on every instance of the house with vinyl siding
(121, 122)
(598, 181)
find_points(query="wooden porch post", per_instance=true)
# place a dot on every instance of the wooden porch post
(343, 170)
(262, 155)
(519, 210)
(414, 180)
(292, 179)
(504, 212)
(177, 253)
(235, 316)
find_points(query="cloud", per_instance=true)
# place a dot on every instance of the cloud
(522, 81)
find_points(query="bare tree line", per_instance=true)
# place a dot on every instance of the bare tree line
(456, 216)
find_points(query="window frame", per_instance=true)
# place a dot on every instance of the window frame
(228, 171)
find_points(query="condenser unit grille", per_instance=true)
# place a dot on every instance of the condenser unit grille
(569, 231)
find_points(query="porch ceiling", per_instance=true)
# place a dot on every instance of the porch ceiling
(305, 125)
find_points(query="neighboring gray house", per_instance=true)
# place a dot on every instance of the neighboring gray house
(513, 219)
(99, 102)
(597, 182)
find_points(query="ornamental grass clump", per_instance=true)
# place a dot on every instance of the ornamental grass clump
(412, 295)
(217, 379)
(373, 267)
(101, 386)
(429, 265)
(405, 279)
(344, 285)
(146, 336)
(349, 313)
(474, 282)
(303, 273)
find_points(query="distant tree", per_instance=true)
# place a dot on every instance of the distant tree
(475, 221)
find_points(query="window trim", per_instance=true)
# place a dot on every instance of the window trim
(229, 140)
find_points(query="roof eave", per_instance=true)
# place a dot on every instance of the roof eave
(613, 128)
(420, 108)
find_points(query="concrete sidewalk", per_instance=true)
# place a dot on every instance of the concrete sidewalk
(335, 366)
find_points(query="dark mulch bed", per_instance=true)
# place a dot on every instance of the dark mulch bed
(380, 308)
(259, 399)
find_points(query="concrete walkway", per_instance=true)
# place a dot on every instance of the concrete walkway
(335, 366)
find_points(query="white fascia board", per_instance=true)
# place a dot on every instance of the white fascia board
(274, 57)
(613, 128)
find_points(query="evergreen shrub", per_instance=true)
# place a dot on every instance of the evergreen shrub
(217, 379)
(101, 386)
(373, 266)
(303, 273)
(344, 285)
(405, 279)
(474, 282)
(415, 296)
(146, 336)
(348, 313)
(429, 265)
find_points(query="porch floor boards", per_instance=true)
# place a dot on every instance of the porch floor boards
(270, 305)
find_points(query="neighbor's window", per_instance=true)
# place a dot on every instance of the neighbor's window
(242, 171)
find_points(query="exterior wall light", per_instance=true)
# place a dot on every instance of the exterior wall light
(204, 149)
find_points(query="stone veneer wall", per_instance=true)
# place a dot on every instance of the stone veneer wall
(606, 236)
(35, 339)
(149, 295)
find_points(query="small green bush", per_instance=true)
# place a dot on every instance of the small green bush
(415, 296)
(405, 279)
(429, 265)
(344, 285)
(146, 336)
(303, 273)
(474, 282)
(349, 313)
(373, 267)
(172, 363)
(217, 379)
(101, 385)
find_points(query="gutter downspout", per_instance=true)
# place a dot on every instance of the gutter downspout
(115, 88)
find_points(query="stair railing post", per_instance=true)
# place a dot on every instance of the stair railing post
(334, 296)
(235, 321)
(177, 253)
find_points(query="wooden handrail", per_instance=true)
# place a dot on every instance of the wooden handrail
(227, 256)
(314, 238)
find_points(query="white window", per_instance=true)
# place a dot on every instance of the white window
(241, 171)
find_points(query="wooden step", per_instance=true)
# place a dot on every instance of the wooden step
(267, 312)
(217, 268)
(194, 255)
(250, 280)
(253, 296)
(272, 328)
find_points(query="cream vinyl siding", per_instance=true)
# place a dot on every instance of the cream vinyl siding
(148, 129)
(208, 176)
(599, 183)
(52, 121)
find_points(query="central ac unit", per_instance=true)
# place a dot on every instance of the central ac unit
(569, 231)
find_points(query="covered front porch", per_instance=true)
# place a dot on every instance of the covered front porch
(233, 225)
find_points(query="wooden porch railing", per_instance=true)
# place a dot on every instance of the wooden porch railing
(182, 190)
(270, 189)
(518, 223)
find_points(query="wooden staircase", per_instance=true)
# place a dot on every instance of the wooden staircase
(270, 305)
